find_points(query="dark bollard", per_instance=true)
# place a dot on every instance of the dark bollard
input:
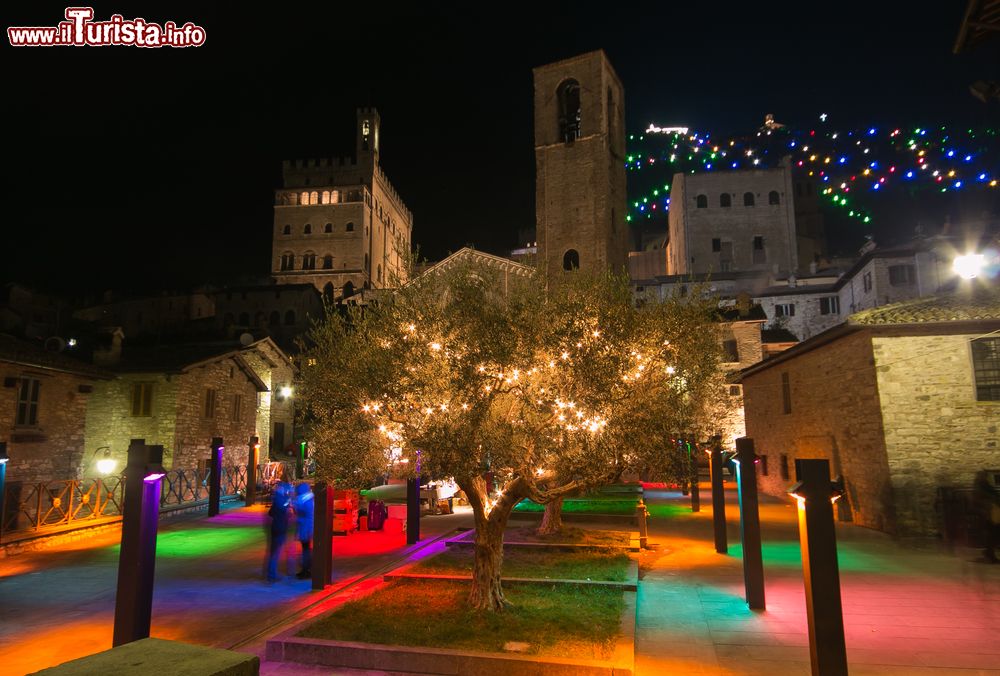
(3, 486)
(253, 459)
(818, 537)
(137, 555)
(322, 565)
(300, 461)
(693, 473)
(640, 512)
(412, 511)
(215, 476)
(753, 559)
(718, 497)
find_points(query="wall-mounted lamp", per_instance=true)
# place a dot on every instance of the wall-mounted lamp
(106, 465)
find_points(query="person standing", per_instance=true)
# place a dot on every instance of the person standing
(987, 501)
(304, 507)
(278, 532)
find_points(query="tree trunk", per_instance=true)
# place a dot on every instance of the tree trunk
(486, 592)
(552, 518)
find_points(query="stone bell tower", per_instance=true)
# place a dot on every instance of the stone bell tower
(580, 166)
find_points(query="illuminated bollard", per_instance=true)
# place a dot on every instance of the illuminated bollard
(693, 475)
(753, 559)
(412, 511)
(718, 496)
(215, 476)
(816, 494)
(137, 555)
(3, 485)
(640, 512)
(253, 459)
(322, 565)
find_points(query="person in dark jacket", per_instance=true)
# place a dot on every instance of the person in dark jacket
(987, 503)
(278, 532)
(304, 507)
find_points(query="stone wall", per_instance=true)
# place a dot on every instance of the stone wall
(936, 433)
(835, 414)
(53, 448)
(110, 421)
(195, 431)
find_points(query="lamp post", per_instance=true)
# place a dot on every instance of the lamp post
(753, 559)
(137, 556)
(816, 494)
(322, 565)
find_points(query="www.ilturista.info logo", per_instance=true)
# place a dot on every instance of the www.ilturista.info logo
(80, 30)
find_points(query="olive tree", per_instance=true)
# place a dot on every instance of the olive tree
(548, 389)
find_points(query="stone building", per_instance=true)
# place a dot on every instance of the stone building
(580, 166)
(182, 396)
(901, 399)
(164, 314)
(338, 222)
(281, 311)
(43, 406)
(740, 336)
(723, 221)
(30, 314)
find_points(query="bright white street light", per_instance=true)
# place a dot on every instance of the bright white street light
(286, 392)
(968, 266)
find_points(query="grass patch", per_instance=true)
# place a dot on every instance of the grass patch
(568, 535)
(590, 505)
(582, 623)
(593, 565)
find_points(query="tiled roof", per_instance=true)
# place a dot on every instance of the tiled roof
(27, 353)
(777, 336)
(982, 304)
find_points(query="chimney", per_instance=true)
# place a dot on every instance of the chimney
(108, 351)
(743, 304)
(812, 268)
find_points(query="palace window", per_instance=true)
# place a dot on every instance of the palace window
(287, 230)
(759, 253)
(309, 261)
(773, 197)
(786, 471)
(725, 200)
(237, 407)
(307, 229)
(325, 197)
(716, 244)
(211, 396)
(27, 402)
(571, 260)
(866, 281)
(274, 319)
(748, 199)
(986, 368)
(287, 261)
(328, 228)
(142, 400)
(290, 318)
(350, 227)
(701, 201)
(328, 262)
(784, 310)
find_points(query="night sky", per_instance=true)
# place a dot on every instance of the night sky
(141, 169)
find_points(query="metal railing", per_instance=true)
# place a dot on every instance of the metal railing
(62, 504)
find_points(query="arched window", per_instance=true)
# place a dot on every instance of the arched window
(229, 319)
(568, 95)
(725, 200)
(328, 262)
(325, 197)
(309, 261)
(328, 228)
(748, 199)
(350, 227)
(290, 318)
(334, 196)
(274, 319)
(244, 319)
(314, 197)
(773, 197)
(287, 230)
(328, 292)
(701, 201)
(304, 198)
(307, 229)
(288, 261)
(348, 290)
(571, 260)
